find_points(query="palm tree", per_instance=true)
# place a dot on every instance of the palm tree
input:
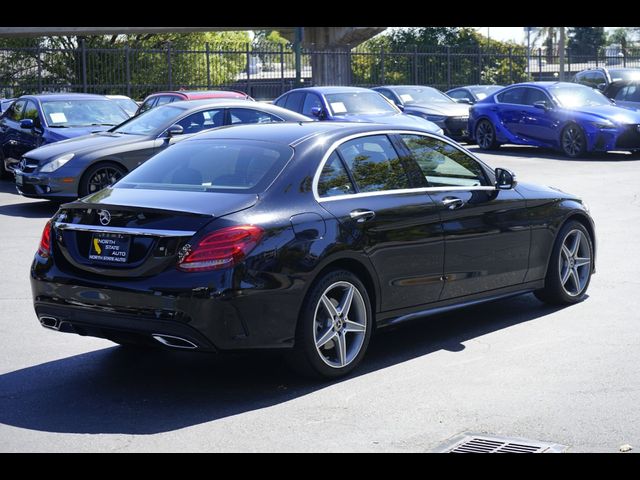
(550, 35)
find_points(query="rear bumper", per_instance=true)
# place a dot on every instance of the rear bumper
(90, 322)
(204, 309)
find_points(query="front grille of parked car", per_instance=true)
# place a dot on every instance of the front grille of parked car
(457, 124)
(28, 165)
(630, 138)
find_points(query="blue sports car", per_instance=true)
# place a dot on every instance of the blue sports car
(570, 117)
(350, 104)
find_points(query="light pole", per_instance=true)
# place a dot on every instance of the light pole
(528, 29)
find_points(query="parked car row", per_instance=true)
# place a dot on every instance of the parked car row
(227, 224)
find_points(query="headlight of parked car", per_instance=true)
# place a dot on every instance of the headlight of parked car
(56, 163)
(603, 124)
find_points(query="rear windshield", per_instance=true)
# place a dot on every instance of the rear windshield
(221, 165)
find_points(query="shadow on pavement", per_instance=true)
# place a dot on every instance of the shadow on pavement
(537, 152)
(117, 390)
(26, 208)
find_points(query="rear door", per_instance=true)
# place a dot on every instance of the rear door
(368, 187)
(486, 235)
(510, 110)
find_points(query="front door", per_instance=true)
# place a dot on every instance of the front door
(485, 233)
(365, 185)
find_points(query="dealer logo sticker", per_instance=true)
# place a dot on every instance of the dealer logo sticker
(105, 217)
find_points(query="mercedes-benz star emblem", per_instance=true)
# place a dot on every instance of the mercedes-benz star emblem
(105, 217)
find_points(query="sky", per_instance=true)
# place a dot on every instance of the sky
(517, 34)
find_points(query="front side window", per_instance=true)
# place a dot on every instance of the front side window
(31, 111)
(249, 115)
(163, 100)
(82, 113)
(208, 165)
(334, 179)
(196, 122)
(513, 95)
(534, 95)
(148, 105)
(374, 164)
(16, 110)
(443, 165)
(311, 101)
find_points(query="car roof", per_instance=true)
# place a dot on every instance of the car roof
(391, 87)
(194, 94)
(324, 90)
(294, 133)
(65, 96)
(193, 105)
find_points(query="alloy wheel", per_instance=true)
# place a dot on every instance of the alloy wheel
(340, 324)
(102, 178)
(484, 135)
(574, 263)
(572, 141)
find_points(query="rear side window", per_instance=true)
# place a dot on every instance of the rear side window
(374, 164)
(513, 95)
(228, 165)
(334, 179)
(249, 115)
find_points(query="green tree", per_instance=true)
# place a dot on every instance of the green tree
(585, 40)
(59, 61)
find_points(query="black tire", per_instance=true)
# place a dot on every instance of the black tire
(554, 291)
(573, 142)
(308, 360)
(485, 135)
(103, 173)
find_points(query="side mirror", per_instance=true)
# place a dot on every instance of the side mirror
(175, 130)
(463, 100)
(400, 106)
(505, 179)
(601, 86)
(27, 123)
(318, 112)
(542, 105)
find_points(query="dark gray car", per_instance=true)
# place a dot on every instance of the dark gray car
(86, 164)
(430, 104)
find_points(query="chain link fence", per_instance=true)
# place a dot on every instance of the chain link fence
(265, 71)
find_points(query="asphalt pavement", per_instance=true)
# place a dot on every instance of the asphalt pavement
(512, 368)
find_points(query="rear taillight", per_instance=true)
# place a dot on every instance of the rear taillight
(222, 248)
(44, 249)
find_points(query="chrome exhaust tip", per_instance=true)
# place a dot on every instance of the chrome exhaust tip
(174, 342)
(50, 322)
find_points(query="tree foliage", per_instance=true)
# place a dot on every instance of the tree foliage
(585, 40)
(56, 62)
(439, 57)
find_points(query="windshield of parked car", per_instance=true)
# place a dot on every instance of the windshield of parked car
(151, 122)
(358, 103)
(576, 96)
(212, 165)
(627, 75)
(417, 95)
(82, 113)
(127, 105)
(483, 91)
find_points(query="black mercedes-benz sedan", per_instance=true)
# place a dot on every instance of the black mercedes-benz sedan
(84, 165)
(306, 237)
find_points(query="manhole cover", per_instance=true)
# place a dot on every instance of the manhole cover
(471, 443)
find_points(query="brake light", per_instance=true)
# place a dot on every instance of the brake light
(222, 248)
(44, 249)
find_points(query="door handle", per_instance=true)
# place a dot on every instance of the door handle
(360, 215)
(452, 202)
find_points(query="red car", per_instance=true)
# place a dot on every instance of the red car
(161, 98)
